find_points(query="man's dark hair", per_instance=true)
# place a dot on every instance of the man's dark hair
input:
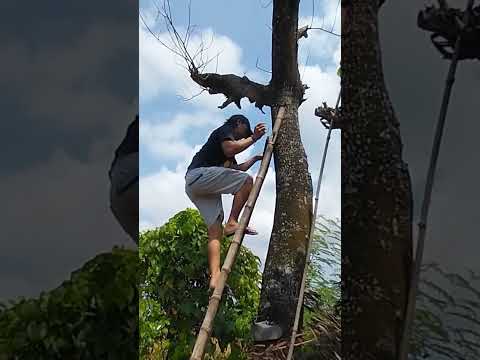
(235, 120)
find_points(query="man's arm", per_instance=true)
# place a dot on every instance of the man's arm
(233, 147)
(247, 164)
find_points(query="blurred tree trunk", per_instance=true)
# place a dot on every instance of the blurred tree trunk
(376, 196)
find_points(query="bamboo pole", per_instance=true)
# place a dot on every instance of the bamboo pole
(214, 303)
(309, 246)
(422, 224)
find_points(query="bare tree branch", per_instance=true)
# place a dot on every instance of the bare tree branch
(234, 88)
(158, 38)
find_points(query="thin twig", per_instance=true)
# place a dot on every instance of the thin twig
(259, 68)
(335, 19)
(192, 97)
(313, 12)
(266, 5)
(327, 31)
(157, 37)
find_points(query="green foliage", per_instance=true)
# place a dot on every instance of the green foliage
(447, 318)
(91, 316)
(174, 289)
(321, 305)
(324, 268)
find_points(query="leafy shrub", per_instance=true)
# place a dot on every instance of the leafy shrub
(323, 276)
(94, 315)
(447, 324)
(174, 290)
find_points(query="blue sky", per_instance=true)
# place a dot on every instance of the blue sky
(173, 129)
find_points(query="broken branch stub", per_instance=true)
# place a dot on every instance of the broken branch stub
(328, 115)
(234, 88)
(303, 32)
(446, 25)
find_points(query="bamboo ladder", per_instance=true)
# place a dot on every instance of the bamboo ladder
(214, 302)
(422, 225)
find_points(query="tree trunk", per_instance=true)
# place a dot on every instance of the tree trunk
(376, 196)
(293, 210)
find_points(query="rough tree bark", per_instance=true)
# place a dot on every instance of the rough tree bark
(293, 210)
(376, 196)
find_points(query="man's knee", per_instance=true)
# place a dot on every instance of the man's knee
(248, 182)
(215, 230)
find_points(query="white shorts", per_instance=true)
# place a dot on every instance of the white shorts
(205, 186)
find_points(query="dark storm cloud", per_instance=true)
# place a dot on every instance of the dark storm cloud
(52, 54)
(69, 73)
(54, 24)
(415, 75)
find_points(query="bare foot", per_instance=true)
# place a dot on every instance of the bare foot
(214, 280)
(231, 227)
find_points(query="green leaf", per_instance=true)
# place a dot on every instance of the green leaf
(175, 288)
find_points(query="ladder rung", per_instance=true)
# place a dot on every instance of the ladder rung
(206, 329)
(216, 297)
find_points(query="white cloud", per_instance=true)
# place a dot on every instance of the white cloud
(158, 70)
(337, 55)
(165, 139)
(319, 43)
(326, 16)
(161, 196)
(161, 71)
(324, 87)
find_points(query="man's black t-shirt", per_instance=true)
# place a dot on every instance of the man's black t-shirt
(211, 154)
(129, 144)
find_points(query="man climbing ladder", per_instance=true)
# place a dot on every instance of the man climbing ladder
(213, 172)
(207, 324)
